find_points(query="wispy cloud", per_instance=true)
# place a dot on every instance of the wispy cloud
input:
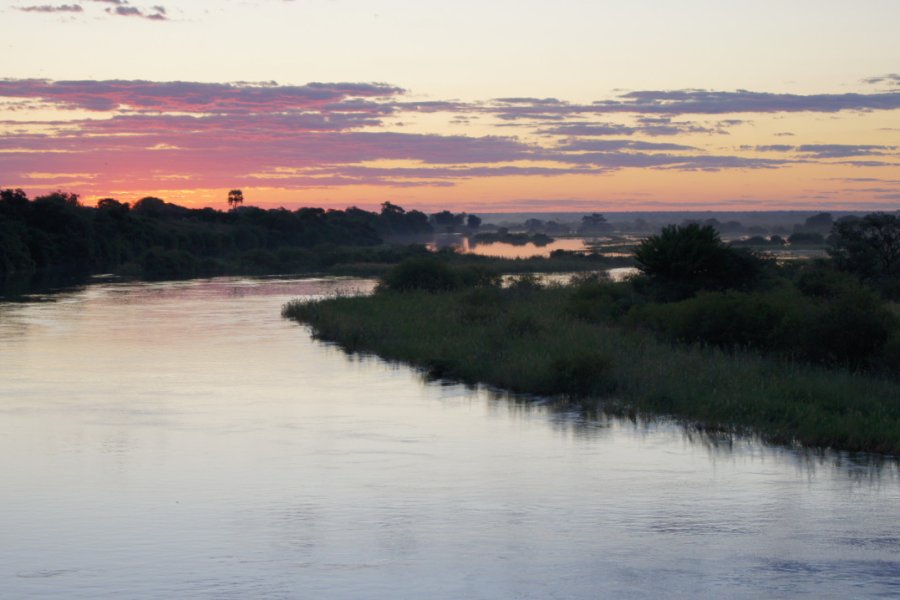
(829, 150)
(890, 79)
(185, 96)
(120, 8)
(155, 13)
(48, 8)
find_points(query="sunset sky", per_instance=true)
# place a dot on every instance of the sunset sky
(489, 106)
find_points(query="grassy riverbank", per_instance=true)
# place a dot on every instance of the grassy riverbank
(526, 339)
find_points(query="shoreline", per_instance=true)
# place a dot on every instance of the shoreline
(530, 346)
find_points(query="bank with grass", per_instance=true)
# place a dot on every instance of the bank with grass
(800, 355)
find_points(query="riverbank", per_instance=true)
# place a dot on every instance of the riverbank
(349, 261)
(525, 339)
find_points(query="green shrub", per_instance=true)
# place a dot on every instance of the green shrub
(420, 274)
(600, 300)
(681, 261)
(852, 330)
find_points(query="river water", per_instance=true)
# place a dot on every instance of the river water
(181, 440)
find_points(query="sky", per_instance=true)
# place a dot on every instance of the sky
(488, 106)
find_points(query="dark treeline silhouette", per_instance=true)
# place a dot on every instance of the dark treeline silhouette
(154, 238)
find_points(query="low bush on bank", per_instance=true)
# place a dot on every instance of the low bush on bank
(842, 326)
(432, 275)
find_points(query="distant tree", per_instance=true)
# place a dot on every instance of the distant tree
(112, 204)
(868, 247)
(60, 199)
(13, 201)
(473, 222)
(446, 221)
(534, 225)
(150, 206)
(235, 198)
(821, 222)
(391, 209)
(594, 223)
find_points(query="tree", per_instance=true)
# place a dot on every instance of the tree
(235, 198)
(111, 204)
(868, 247)
(446, 221)
(473, 222)
(388, 208)
(682, 260)
(594, 223)
(821, 223)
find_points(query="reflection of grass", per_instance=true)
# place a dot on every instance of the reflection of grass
(522, 339)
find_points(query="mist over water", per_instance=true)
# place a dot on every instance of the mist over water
(181, 440)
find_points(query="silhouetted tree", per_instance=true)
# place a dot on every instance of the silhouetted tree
(473, 222)
(821, 223)
(112, 205)
(868, 247)
(446, 220)
(684, 259)
(235, 198)
(594, 223)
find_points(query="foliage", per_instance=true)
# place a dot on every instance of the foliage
(683, 260)
(57, 232)
(868, 247)
(235, 198)
(432, 275)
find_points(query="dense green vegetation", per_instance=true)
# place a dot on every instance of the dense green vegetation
(807, 353)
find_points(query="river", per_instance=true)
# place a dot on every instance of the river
(181, 440)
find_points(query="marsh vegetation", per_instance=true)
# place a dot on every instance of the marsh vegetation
(803, 353)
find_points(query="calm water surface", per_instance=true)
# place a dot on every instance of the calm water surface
(181, 440)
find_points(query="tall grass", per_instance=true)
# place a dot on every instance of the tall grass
(525, 340)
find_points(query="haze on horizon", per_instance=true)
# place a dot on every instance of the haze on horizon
(491, 107)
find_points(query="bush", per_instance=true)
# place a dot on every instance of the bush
(420, 274)
(823, 282)
(852, 330)
(850, 327)
(598, 300)
(525, 284)
(726, 319)
(681, 261)
(481, 304)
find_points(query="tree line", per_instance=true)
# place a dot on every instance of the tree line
(57, 232)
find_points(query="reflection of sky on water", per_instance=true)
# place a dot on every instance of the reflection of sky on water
(182, 440)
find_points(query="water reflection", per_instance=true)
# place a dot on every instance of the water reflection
(166, 440)
(597, 419)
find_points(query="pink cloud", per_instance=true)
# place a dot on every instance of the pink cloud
(186, 96)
